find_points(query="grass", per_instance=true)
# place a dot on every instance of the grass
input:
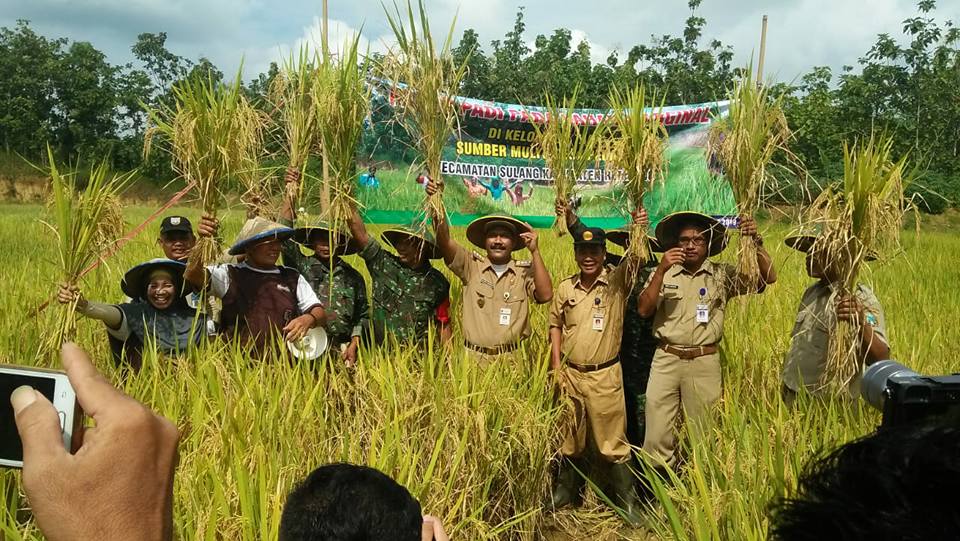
(472, 446)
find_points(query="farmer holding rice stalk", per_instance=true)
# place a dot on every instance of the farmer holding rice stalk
(638, 343)
(586, 326)
(688, 294)
(821, 306)
(260, 298)
(157, 313)
(339, 286)
(496, 288)
(409, 294)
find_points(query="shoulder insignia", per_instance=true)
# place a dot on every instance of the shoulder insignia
(871, 319)
(477, 256)
(523, 263)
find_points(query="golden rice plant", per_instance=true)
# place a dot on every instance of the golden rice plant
(637, 140)
(567, 147)
(291, 97)
(862, 218)
(424, 83)
(208, 133)
(745, 142)
(86, 222)
(254, 179)
(341, 102)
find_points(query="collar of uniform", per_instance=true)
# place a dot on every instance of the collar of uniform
(318, 266)
(707, 267)
(275, 270)
(488, 265)
(604, 279)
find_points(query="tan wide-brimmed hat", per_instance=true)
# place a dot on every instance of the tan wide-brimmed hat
(257, 230)
(305, 235)
(668, 230)
(477, 230)
(398, 234)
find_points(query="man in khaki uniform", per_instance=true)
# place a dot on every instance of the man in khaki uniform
(689, 293)
(586, 327)
(496, 288)
(820, 308)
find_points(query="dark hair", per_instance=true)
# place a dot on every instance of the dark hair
(345, 502)
(894, 484)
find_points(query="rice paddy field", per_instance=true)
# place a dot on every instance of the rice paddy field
(472, 445)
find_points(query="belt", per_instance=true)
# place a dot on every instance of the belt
(593, 367)
(688, 352)
(495, 350)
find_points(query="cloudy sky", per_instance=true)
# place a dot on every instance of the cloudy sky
(801, 34)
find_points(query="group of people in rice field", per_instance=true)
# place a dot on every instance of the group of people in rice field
(634, 347)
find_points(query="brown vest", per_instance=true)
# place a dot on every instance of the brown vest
(258, 305)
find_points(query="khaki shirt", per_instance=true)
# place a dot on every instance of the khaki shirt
(496, 311)
(683, 293)
(591, 319)
(806, 359)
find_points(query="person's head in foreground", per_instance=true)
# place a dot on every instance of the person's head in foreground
(260, 241)
(158, 281)
(896, 484)
(499, 236)
(414, 248)
(346, 502)
(698, 235)
(590, 250)
(176, 238)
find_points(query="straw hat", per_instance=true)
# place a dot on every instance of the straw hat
(304, 235)
(398, 234)
(668, 230)
(134, 282)
(256, 230)
(477, 230)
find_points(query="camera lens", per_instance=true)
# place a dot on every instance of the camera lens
(875, 378)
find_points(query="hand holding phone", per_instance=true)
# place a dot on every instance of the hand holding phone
(119, 483)
(55, 387)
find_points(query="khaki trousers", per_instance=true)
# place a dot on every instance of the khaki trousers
(694, 384)
(595, 407)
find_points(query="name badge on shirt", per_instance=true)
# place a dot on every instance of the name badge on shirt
(703, 313)
(505, 316)
(598, 322)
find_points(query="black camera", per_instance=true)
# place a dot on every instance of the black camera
(906, 397)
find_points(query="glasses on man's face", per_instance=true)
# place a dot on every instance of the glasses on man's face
(692, 241)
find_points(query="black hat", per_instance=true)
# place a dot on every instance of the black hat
(175, 223)
(668, 230)
(590, 236)
(134, 282)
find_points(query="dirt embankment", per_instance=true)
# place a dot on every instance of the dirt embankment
(35, 189)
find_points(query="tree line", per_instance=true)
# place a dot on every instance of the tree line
(907, 84)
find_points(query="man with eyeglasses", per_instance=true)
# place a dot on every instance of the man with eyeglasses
(687, 295)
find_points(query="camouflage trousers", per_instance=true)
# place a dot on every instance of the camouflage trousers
(635, 376)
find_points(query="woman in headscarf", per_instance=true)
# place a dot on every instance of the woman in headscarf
(158, 312)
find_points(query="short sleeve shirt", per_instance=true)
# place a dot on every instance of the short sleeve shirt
(496, 310)
(806, 359)
(681, 296)
(591, 319)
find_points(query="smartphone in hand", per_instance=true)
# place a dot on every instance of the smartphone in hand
(52, 384)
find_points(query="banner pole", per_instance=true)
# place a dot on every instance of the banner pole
(763, 50)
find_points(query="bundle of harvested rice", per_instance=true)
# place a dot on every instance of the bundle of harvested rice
(860, 220)
(254, 179)
(424, 83)
(637, 140)
(291, 98)
(567, 146)
(745, 142)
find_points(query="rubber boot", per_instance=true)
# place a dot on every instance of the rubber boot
(568, 487)
(623, 482)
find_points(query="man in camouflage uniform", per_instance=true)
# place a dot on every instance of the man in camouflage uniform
(638, 344)
(408, 292)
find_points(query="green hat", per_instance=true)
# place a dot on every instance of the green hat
(668, 230)
(805, 241)
(134, 282)
(396, 235)
(304, 235)
(621, 237)
(256, 230)
(478, 229)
